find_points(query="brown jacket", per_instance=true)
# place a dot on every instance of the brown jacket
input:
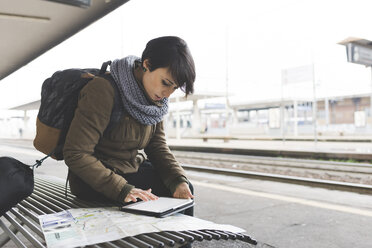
(98, 156)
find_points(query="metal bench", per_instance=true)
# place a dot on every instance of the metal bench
(20, 226)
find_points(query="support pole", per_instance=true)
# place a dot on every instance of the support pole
(178, 118)
(227, 80)
(196, 123)
(370, 101)
(314, 108)
(282, 122)
(326, 104)
(295, 119)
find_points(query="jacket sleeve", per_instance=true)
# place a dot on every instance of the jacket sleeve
(163, 160)
(90, 121)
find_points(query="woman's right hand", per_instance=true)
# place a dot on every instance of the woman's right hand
(144, 195)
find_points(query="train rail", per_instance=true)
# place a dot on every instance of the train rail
(356, 177)
(352, 177)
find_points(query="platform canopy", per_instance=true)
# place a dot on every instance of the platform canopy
(29, 28)
(195, 97)
(28, 106)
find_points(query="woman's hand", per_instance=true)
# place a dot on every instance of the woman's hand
(144, 195)
(183, 191)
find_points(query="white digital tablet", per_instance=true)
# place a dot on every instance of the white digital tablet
(162, 207)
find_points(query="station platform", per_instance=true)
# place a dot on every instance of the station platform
(288, 144)
(343, 150)
(352, 147)
(276, 214)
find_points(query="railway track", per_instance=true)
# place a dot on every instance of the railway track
(355, 177)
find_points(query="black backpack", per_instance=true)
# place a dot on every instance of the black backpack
(59, 98)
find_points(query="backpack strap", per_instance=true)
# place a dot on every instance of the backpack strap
(118, 110)
(104, 67)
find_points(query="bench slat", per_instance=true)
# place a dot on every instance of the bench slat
(28, 223)
(49, 197)
(125, 244)
(26, 233)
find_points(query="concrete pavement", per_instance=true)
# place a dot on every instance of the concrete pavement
(278, 214)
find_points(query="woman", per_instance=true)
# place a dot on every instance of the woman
(104, 160)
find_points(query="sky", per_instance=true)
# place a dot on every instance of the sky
(238, 46)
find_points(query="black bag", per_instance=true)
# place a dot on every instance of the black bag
(16, 182)
(59, 98)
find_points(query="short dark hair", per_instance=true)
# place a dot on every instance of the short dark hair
(172, 52)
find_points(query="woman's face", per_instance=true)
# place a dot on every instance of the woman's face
(158, 83)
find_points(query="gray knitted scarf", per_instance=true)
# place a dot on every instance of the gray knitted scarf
(132, 95)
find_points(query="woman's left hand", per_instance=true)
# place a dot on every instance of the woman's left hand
(183, 191)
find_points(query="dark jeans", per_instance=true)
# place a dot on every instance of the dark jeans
(146, 177)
